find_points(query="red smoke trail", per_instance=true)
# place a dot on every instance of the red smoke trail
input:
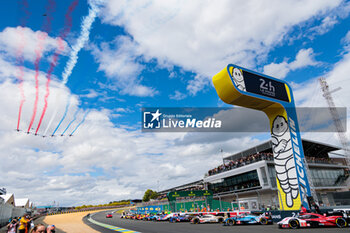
(38, 52)
(48, 79)
(24, 7)
(20, 60)
(67, 28)
(20, 76)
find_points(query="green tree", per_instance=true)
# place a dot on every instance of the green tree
(149, 194)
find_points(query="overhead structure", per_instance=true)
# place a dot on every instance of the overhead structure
(239, 86)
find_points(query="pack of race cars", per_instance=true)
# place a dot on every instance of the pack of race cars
(173, 217)
(339, 219)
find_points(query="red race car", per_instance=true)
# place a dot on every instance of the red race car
(109, 215)
(313, 220)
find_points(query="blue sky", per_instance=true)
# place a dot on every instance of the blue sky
(153, 54)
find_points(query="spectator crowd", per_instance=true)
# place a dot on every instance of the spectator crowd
(25, 224)
(258, 157)
(240, 162)
(238, 187)
(164, 196)
(319, 160)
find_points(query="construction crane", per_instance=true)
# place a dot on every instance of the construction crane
(340, 131)
(336, 118)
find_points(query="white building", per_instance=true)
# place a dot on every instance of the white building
(22, 203)
(250, 175)
(9, 199)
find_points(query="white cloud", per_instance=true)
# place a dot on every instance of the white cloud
(91, 94)
(120, 64)
(196, 37)
(197, 84)
(278, 70)
(304, 58)
(10, 89)
(121, 110)
(177, 96)
(326, 24)
(24, 41)
(346, 39)
(83, 167)
(137, 89)
(309, 94)
(102, 162)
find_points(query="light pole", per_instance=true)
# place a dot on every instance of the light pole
(222, 156)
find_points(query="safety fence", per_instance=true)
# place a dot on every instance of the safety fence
(86, 209)
(187, 206)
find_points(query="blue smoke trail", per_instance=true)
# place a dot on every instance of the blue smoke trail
(82, 121)
(64, 116)
(74, 118)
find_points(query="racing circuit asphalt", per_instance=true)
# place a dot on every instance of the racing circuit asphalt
(166, 227)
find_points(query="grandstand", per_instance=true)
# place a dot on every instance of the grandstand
(196, 185)
(247, 179)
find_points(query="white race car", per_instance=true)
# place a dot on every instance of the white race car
(166, 217)
(208, 218)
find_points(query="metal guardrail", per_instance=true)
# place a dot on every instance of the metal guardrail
(87, 209)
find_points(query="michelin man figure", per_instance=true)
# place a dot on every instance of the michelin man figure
(238, 79)
(284, 159)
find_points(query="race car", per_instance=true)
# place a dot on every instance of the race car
(125, 215)
(155, 217)
(251, 218)
(208, 218)
(129, 216)
(109, 215)
(145, 217)
(313, 220)
(149, 217)
(166, 217)
(159, 217)
(140, 216)
(181, 218)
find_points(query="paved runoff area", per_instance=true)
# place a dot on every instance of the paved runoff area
(69, 223)
(115, 224)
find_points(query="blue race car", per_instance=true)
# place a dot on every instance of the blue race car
(148, 217)
(155, 217)
(252, 218)
(181, 218)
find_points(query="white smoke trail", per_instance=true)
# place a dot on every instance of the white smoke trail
(83, 38)
(53, 116)
(73, 56)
